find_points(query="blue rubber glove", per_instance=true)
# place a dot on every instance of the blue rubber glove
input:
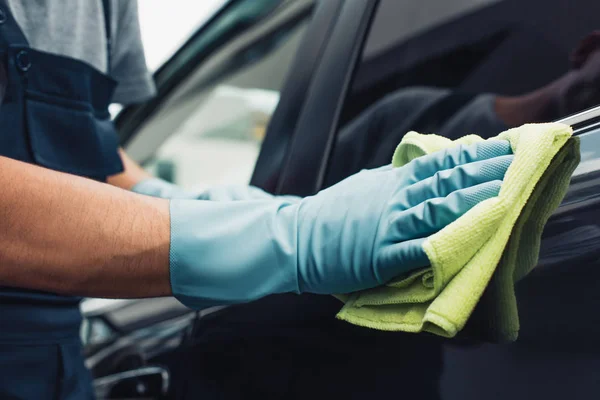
(358, 234)
(160, 188)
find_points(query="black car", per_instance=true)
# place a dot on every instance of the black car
(262, 92)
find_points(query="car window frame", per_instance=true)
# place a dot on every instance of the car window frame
(316, 128)
(277, 144)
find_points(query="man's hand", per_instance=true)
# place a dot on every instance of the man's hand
(132, 173)
(136, 179)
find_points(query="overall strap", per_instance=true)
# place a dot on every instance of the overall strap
(10, 32)
(107, 28)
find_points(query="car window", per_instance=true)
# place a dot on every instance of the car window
(209, 131)
(511, 50)
(467, 66)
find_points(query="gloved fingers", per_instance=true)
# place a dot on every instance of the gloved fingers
(426, 166)
(254, 193)
(376, 170)
(157, 187)
(434, 214)
(443, 183)
(234, 193)
(406, 254)
(289, 198)
(383, 168)
(400, 258)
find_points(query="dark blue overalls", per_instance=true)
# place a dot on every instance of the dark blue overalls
(54, 114)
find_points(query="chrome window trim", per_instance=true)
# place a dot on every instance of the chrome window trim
(582, 117)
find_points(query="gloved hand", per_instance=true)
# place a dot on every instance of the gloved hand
(358, 234)
(159, 188)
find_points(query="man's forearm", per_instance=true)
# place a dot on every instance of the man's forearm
(71, 235)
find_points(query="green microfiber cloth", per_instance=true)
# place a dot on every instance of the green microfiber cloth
(498, 238)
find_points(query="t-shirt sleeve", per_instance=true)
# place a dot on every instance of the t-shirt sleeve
(128, 66)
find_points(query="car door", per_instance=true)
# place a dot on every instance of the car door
(451, 67)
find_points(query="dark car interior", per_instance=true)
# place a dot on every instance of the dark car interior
(350, 58)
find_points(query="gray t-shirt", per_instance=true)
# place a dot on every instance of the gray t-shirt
(76, 29)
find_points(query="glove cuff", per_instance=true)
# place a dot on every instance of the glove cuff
(232, 252)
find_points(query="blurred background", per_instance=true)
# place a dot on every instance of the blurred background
(164, 29)
(228, 129)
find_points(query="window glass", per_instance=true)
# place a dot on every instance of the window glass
(534, 64)
(460, 67)
(220, 141)
(467, 66)
(210, 131)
